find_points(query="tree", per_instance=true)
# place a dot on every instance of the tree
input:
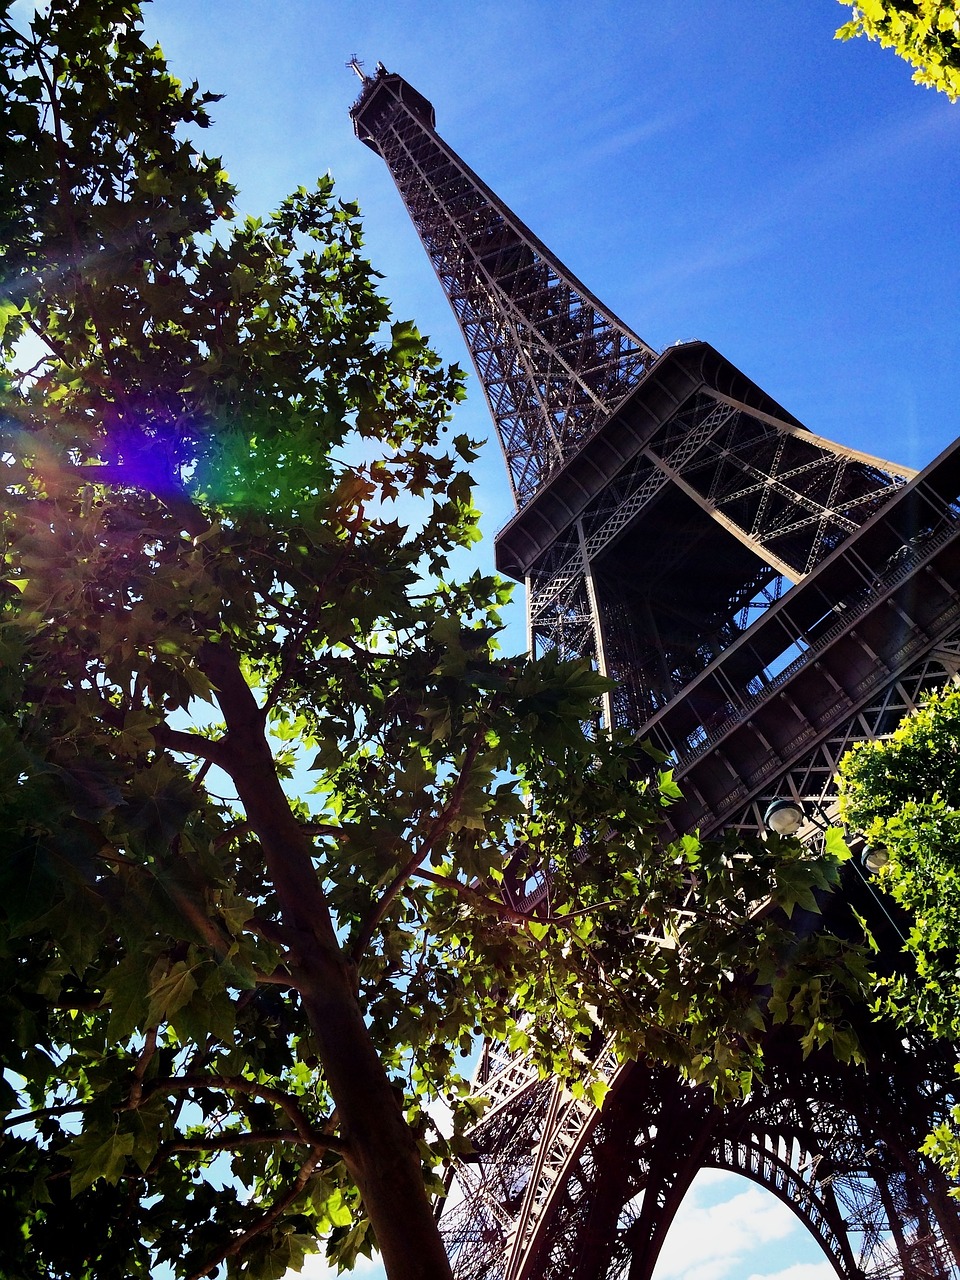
(229, 996)
(903, 794)
(925, 33)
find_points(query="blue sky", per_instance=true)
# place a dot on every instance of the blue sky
(712, 170)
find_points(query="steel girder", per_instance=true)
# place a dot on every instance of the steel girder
(559, 1191)
(789, 500)
(811, 779)
(845, 1164)
(678, 464)
(546, 1198)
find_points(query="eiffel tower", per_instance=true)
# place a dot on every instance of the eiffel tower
(763, 598)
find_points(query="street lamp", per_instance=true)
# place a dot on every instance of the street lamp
(784, 817)
(874, 859)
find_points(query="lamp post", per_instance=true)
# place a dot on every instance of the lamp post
(874, 858)
(785, 817)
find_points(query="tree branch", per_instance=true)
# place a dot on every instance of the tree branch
(43, 1113)
(56, 348)
(201, 774)
(439, 829)
(279, 977)
(140, 1070)
(276, 1211)
(115, 859)
(230, 1142)
(238, 1084)
(294, 647)
(489, 906)
(269, 930)
(325, 829)
(194, 744)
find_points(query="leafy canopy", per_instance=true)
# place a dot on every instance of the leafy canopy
(271, 796)
(925, 33)
(903, 793)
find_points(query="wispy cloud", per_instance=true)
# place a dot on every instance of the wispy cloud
(613, 143)
(799, 1271)
(797, 193)
(708, 1240)
(317, 1268)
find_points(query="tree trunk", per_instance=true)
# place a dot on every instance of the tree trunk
(383, 1156)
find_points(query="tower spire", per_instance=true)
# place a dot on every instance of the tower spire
(553, 361)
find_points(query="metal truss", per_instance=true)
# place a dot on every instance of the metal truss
(844, 1164)
(808, 648)
(812, 779)
(788, 496)
(840, 1154)
(559, 1191)
(553, 361)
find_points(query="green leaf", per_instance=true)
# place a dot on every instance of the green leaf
(836, 845)
(346, 1246)
(794, 886)
(127, 995)
(598, 1092)
(94, 1156)
(172, 986)
(8, 310)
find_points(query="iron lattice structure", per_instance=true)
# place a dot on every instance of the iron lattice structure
(553, 361)
(764, 598)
